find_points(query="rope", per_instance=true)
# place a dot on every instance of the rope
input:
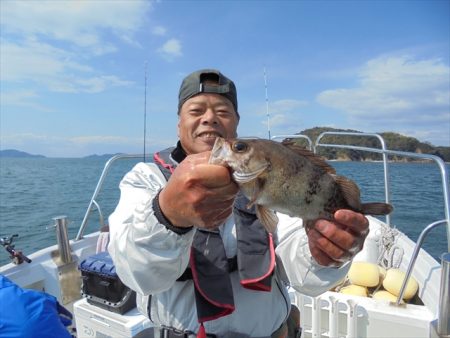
(391, 254)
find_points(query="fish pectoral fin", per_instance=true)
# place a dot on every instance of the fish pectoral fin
(349, 190)
(267, 217)
(255, 188)
(247, 177)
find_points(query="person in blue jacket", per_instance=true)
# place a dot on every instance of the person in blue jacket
(29, 313)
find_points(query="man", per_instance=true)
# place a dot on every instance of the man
(200, 261)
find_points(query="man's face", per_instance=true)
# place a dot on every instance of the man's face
(203, 118)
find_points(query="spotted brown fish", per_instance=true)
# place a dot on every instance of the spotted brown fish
(286, 178)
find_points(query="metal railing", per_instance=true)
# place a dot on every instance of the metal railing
(99, 186)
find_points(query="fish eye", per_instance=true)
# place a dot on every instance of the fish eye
(239, 146)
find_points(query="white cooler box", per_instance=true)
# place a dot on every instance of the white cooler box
(93, 321)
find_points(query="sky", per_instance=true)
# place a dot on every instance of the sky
(81, 77)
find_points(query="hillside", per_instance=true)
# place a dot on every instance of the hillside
(394, 141)
(101, 157)
(17, 154)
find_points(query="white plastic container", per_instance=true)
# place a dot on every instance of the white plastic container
(93, 321)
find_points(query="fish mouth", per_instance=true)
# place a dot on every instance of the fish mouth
(219, 152)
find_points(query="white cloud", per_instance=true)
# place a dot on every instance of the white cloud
(79, 22)
(171, 49)
(32, 60)
(50, 43)
(159, 30)
(52, 67)
(286, 105)
(103, 139)
(397, 92)
(23, 98)
(284, 114)
(89, 85)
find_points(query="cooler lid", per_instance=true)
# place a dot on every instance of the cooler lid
(99, 263)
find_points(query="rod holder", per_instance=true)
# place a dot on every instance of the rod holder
(444, 297)
(62, 237)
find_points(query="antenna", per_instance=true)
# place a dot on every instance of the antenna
(267, 103)
(145, 105)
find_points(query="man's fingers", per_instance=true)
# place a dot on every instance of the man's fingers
(195, 159)
(335, 233)
(335, 242)
(325, 251)
(354, 221)
(212, 176)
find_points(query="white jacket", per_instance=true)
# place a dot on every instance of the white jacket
(149, 258)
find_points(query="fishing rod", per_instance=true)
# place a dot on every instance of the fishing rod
(16, 255)
(267, 103)
(145, 105)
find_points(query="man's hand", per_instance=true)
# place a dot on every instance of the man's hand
(333, 243)
(198, 194)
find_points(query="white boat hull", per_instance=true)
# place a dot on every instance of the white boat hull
(330, 315)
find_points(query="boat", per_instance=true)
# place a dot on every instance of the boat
(56, 271)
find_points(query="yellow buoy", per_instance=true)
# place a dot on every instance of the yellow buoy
(364, 274)
(355, 290)
(384, 295)
(394, 280)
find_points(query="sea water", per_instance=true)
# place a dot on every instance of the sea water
(35, 190)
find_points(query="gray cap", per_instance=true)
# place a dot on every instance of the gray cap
(194, 84)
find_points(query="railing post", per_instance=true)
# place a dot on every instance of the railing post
(444, 297)
(65, 252)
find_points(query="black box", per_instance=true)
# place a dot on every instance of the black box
(102, 287)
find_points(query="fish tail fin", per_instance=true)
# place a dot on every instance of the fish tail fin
(376, 208)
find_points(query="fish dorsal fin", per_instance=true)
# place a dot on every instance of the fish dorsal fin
(350, 191)
(315, 159)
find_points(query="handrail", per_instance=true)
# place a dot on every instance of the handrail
(412, 261)
(100, 213)
(383, 147)
(99, 187)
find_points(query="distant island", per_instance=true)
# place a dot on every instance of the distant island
(13, 153)
(18, 154)
(104, 156)
(394, 141)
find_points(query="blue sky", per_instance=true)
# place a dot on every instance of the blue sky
(72, 72)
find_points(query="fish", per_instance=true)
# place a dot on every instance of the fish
(286, 178)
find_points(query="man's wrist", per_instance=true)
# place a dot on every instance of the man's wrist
(164, 220)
